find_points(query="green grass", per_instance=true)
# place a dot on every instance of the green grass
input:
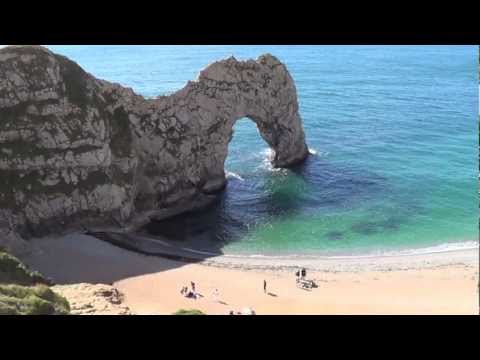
(188, 312)
(24, 292)
(13, 271)
(31, 300)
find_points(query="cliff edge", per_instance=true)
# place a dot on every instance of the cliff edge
(76, 150)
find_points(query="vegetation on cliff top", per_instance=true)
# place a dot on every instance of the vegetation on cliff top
(13, 271)
(31, 300)
(25, 292)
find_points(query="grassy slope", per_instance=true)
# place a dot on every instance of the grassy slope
(13, 271)
(25, 292)
(31, 300)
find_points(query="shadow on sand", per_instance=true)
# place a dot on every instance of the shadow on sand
(101, 257)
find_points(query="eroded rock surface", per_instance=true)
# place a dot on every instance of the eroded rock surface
(78, 150)
(93, 299)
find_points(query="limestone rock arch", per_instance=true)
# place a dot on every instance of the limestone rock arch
(199, 120)
(79, 150)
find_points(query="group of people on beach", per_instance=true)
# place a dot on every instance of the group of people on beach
(191, 294)
(301, 274)
(303, 282)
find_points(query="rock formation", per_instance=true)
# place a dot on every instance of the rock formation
(93, 299)
(78, 150)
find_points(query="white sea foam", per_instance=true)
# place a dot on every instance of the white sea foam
(454, 246)
(231, 174)
(318, 153)
(467, 245)
(267, 156)
(267, 153)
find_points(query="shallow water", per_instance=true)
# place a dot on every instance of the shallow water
(394, 136)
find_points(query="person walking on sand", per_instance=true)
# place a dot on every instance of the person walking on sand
(265, 286)
(216, 295)
(193, 286)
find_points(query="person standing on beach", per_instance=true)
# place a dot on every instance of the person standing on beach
(265, 286)
(193, 286)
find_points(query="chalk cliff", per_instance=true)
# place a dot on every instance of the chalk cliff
(78, 150)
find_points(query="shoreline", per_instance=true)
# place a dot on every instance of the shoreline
(440, 248)
(319, 256)
(468, 258)
(156, 247)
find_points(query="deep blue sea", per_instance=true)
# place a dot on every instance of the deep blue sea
(394, 135)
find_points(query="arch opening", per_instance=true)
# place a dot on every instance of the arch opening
(247, 150)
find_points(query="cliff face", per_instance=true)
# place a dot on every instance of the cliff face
(65, 151)
(75, 149)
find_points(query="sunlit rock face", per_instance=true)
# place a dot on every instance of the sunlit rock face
(78, 150)
(66, 153)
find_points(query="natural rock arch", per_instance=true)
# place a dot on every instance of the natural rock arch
(76, 149)
(199, 120)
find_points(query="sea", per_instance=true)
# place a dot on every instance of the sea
(393, 136)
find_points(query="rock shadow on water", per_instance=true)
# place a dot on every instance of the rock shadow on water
(334, 235)
(366, 228)
(371, 227)
(336, 185)
(250, 202)
(208, 229)
(392, 224)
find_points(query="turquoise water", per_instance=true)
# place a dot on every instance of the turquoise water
(393, 129)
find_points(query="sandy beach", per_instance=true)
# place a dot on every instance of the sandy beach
(435, 283)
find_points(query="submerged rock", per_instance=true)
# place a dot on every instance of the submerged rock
(78, 150)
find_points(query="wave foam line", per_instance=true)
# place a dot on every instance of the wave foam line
(230, 174)
(447, 247)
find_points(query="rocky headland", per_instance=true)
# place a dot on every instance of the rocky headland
(79, 151)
